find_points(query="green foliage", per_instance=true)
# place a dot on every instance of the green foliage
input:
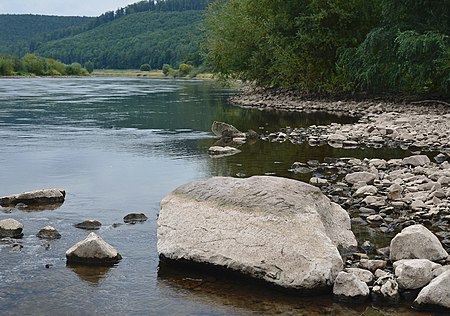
(145, 67)
(409, 52)
(166, 69)
(184, 70)
(155, 38)
(35, 65)
(285, 43)
(89, 66)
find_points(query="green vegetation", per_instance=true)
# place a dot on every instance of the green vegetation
(333, 46)
(32, 64)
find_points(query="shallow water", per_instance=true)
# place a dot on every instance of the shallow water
(119, 145)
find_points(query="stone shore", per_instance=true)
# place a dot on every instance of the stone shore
(421, 125)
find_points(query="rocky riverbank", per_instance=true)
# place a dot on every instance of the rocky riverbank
(422, 125)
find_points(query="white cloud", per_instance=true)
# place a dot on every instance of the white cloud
(61, 7)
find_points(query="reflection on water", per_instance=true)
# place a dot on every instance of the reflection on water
(119, 145)
(91, 274)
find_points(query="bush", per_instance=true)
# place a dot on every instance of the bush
(145, 67)
(184, 70)
(166, 69)
(89, 66)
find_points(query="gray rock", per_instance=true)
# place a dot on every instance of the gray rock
(318, 181)
(89, 225)
(363, 275)
(11, 228)
(224, 130)
(414, 273)
(416, 160)
(48, 232)
(348, 287)
(366, 190)
(134, 218)
(93, 250)
(436, 294)
(361, 176)
(395, 192)
(48, 196)
(386, 288)
(416, 242)
(222, 151)
(372, 265)
(283, 231)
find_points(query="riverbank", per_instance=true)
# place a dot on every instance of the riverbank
(421, 125)
(139, 73)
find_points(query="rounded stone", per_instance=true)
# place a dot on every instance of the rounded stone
(11, 228)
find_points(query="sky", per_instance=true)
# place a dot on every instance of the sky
(62, 7)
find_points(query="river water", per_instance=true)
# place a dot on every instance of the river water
(119, 145)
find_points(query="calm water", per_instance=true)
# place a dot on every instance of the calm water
(119, 146)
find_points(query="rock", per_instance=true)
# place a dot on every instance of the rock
(374, 218)
(372, 265)
(348, 287)
(417, 160)
(318, 181)
(89, 225)
(416, 242)
(224, 130)
(395, 192)
(93, 250)
(48, 232)
(283, 231)
(363, 275)
(361, 176)
(134, 218)
(414, 273)
(386, 289)
(11, 228)
(435, 295)
(48, 196)
(366, 190)
(219, 151)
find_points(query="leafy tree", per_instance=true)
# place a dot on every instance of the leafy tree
(184, 70)
(145, 67)
(165, 69)
(89, 66)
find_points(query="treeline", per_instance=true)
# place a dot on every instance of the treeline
(109, 16)
(154, 38)
(379, 46)
(32, 64)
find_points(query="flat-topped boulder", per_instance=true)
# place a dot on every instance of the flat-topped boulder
(10, 227)
(93, 250)
(37, 197)
(283, 231)
(221, 151)
(48, 232)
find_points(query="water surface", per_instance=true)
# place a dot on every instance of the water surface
(119, 145)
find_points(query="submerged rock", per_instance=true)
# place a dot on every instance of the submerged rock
(134, 218)
(283, 231)
(48, 196)
(219, 151)
(11, 228)
(48, 232)
(89, 225)
(416, 242)
(93, 250)
(224, 130)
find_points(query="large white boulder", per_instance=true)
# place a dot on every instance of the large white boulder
(93, 250)
(47, 196)
(436, 294)
(416, 242)
(280, 230)
(414, 273)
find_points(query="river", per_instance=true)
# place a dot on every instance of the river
(117, 146)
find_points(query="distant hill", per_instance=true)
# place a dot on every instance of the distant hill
(18, 30)
(154, 32)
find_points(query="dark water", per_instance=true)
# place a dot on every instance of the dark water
(119, 146)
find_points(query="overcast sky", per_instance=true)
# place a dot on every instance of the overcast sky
(62, 7)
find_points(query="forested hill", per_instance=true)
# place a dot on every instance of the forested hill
(17, 30)
(154, 37)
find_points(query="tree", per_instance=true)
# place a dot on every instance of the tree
(166, 69)
(89, 66)
(145, 67)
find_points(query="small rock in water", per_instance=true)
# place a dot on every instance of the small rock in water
(48, 232)
(219, 151)
(89, 225)
(134, 218)
(93, 250)
(47, 196)
(11, 228)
